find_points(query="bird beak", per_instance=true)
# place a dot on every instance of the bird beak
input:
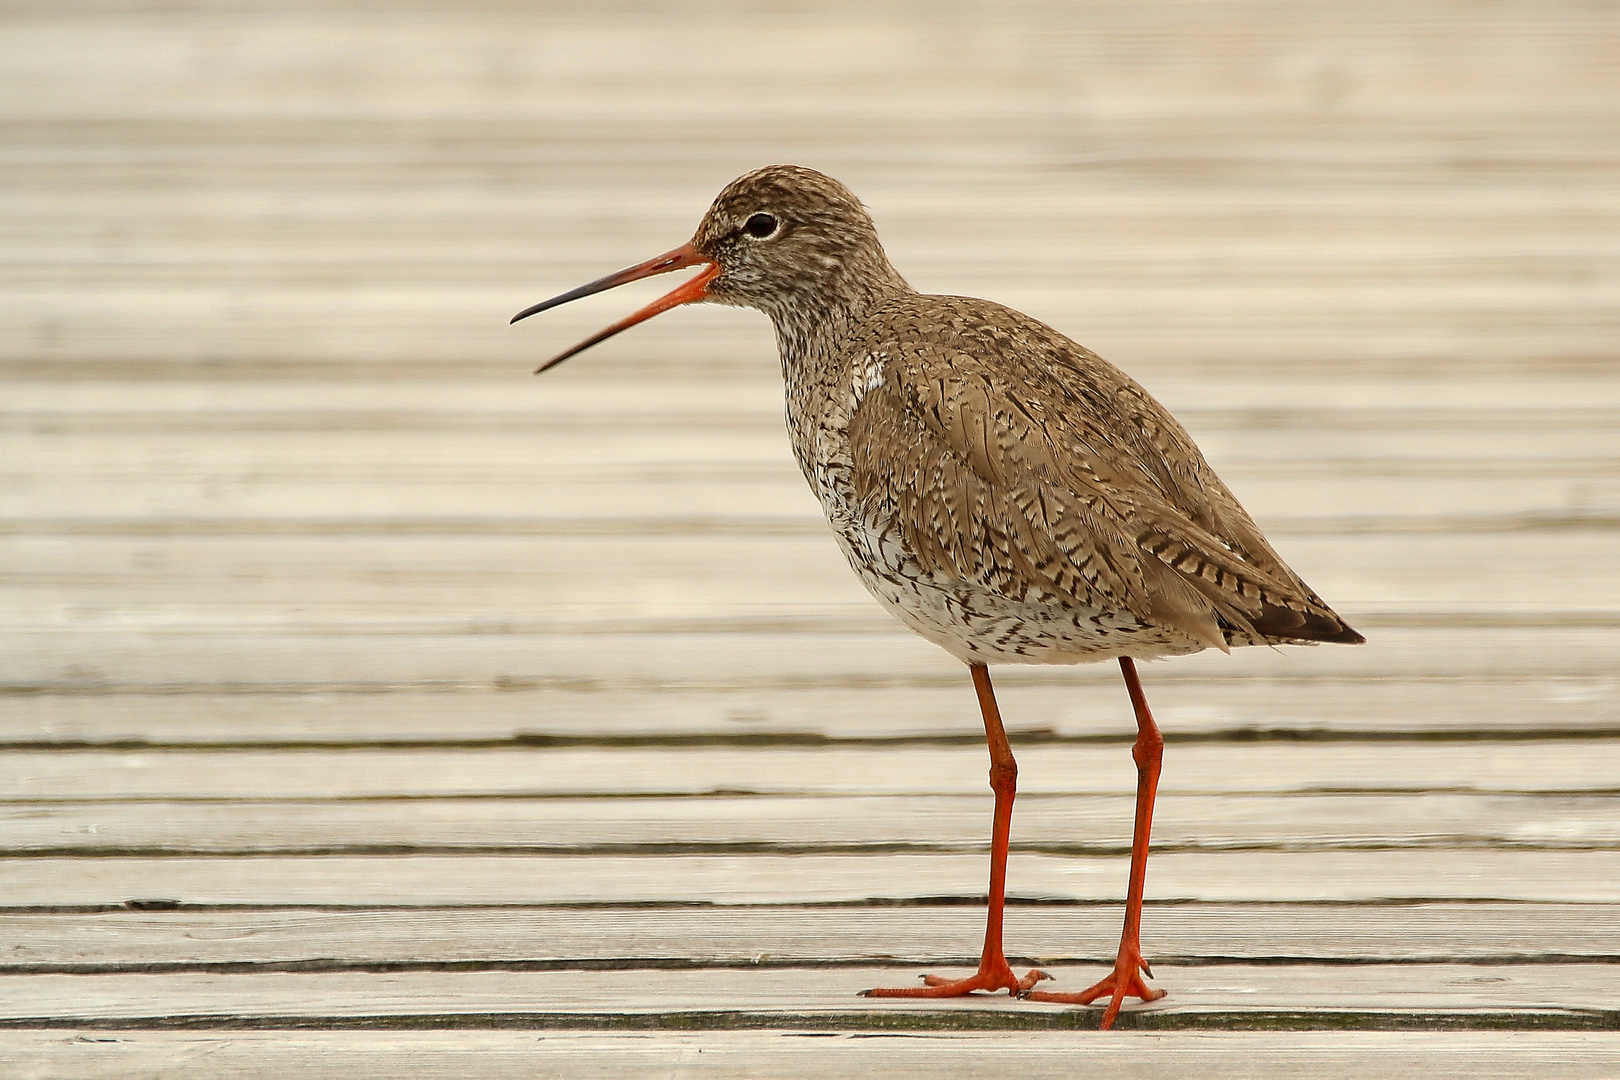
(695, 289)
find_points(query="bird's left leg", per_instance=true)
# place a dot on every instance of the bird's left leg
(1129, 967)
(994, 972)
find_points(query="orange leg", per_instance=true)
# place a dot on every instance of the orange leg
(1129, 967)
(994, 972)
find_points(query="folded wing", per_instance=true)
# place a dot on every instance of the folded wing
(1061, 481)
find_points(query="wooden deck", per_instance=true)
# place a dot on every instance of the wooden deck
(369, 708)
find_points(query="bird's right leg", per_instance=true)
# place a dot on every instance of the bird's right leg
(994, 972)
(1129, 965)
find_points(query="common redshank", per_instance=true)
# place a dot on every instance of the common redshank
(1004, 492)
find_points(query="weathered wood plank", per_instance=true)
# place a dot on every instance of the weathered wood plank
(440, 584)
(435, 880)
(757, 654)
(178, 330)
(1552, 766)
(1095, 824)
(1477, 933)
(741, 997)
(805, 1055)
(751, 439)
(707, 498)
(460, 456)
(1233, 400)
(1137, 321)
(1088, 704)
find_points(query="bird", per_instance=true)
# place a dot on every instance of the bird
(1003, 491)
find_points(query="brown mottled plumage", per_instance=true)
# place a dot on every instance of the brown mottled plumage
(1003, 491)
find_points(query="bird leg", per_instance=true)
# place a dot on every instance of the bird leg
(994, 972)
(1129, 967)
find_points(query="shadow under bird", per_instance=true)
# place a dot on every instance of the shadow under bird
(1003, 491)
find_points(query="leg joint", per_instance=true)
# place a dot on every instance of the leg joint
(1148, 749)
(1004, 776)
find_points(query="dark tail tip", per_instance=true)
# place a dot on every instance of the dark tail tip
(1289, 625)
(1347, 636)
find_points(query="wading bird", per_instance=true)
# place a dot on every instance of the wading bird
(1003, 491)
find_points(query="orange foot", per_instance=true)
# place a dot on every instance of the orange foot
(1125, 981)
(991, 979)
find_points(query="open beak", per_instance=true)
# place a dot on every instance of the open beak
(695, 289)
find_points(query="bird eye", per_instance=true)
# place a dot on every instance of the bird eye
(760, 226)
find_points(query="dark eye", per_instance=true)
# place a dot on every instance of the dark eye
(760, 226)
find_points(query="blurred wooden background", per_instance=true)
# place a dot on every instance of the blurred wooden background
(354, 684)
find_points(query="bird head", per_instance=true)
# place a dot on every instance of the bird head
(789, 241)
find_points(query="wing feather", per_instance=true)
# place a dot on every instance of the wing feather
(1060, 478)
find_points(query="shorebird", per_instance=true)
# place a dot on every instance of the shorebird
(1003, 491)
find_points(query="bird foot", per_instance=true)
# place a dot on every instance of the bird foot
(1125, 981)
(988, 978)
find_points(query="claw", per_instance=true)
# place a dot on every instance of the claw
(1029, 981)
(1123, 982)
(988, 980)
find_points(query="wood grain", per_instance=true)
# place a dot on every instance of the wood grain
(1543, 766)
(530, 584)
(1078, 704)
(457, 880)
(1479, 933)
(119, 1053)
(784, 997)
(1059, 823)
(771, 653)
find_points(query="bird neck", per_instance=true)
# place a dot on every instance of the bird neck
(812, 325)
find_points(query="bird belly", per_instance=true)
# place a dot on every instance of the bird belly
(980, 625)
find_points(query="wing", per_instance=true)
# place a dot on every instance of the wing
(1055, 477)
